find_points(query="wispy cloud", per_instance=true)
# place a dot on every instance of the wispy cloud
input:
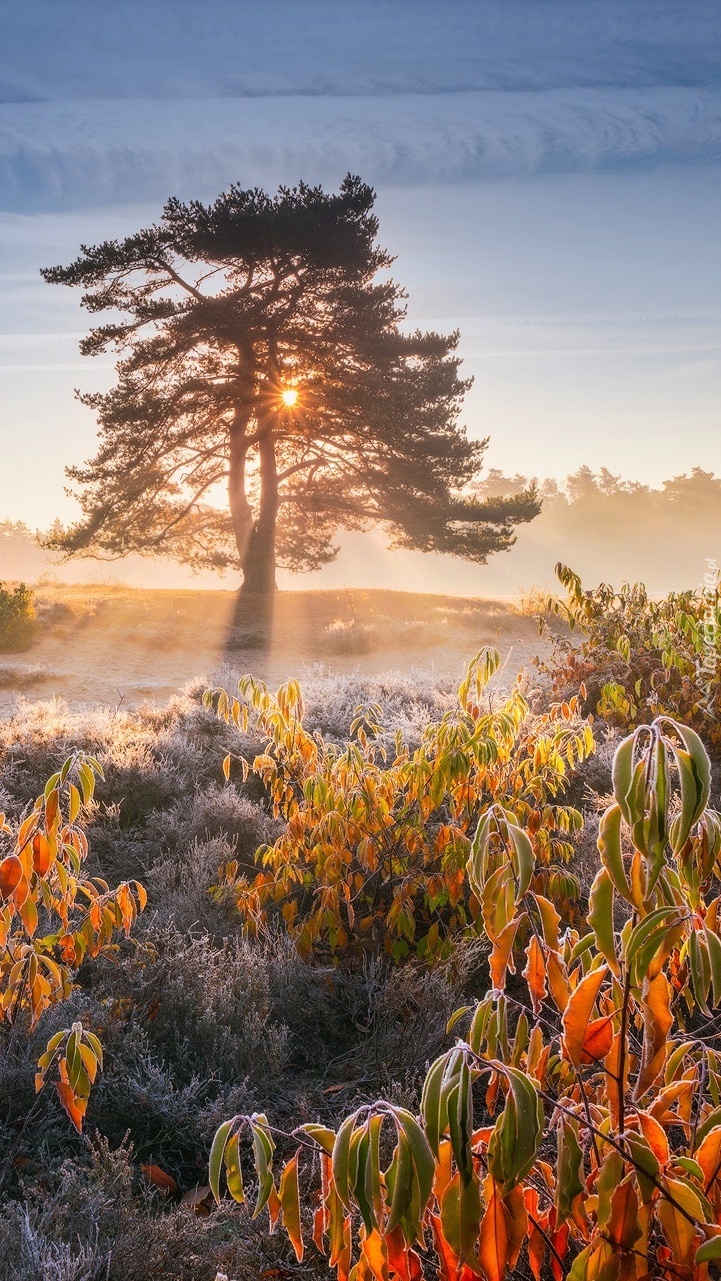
(64, 155)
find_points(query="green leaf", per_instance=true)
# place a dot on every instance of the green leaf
(713, 944)
(600, 917)
(215, 1161)
(621, 775)
(341, 1157)
(513, 1145)
(609, 847)
(402, 1182)
(688, 1164)
(421, 1153)
(431, 1100)
(709, 1251)
(263, 1154)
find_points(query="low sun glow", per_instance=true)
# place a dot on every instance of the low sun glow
(289, 397)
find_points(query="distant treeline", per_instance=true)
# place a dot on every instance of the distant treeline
(611, 530)
(607, 528)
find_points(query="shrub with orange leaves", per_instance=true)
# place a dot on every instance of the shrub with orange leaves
(578, 1130)
(52, 918)
(376, 838)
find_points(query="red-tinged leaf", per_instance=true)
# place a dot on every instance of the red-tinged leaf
(516, 1222)
(708, 1156)
(11, 874)
(536, 1252)
(657, 1023)
(342, 1261)
(612, 1064)
(623, 1226)
(598, 1040)
(375, 1253)
(320, 1219)
(535, 974)
(577, 1014)
(494, 1243)
(74, 1106)
(289, 1196)
(557, 980)
(52, 808)
(447, 1257)
(559, 1240)
(655, 1135)
(501, 954)
(158, 1177)
(42, 857)
(274, 1207)
(403, 1261)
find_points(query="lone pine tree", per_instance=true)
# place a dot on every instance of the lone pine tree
(260, 348)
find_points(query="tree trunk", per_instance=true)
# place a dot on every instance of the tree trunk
(241, 512)
(258, 556)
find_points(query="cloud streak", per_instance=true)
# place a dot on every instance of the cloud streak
(63, 156)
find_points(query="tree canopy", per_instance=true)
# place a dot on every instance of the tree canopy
(261, 350)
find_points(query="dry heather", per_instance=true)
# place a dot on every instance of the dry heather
(197, 1022)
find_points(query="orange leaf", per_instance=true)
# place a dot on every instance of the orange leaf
(11, 873)
(342, 1261)
(375, 1253)
(401, 1259)
(290, 1202)
(320, 1218)
(516, 1222)
(612, 1064)
(681, 1235)
(655, 1135)
(709, 1157)
(560, 1245)
(74, 1106)
(447, 1257)
(159, 1178)
(557, 980)
(493, 1249)
(657, 1021)
(598, 1040)
(501, 953)
(535, 973)
(623, 1224)
(42, 858)
(578, 1012)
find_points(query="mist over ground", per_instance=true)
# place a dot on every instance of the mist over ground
(606, 528)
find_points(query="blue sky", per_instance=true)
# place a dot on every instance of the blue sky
(548, 173)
